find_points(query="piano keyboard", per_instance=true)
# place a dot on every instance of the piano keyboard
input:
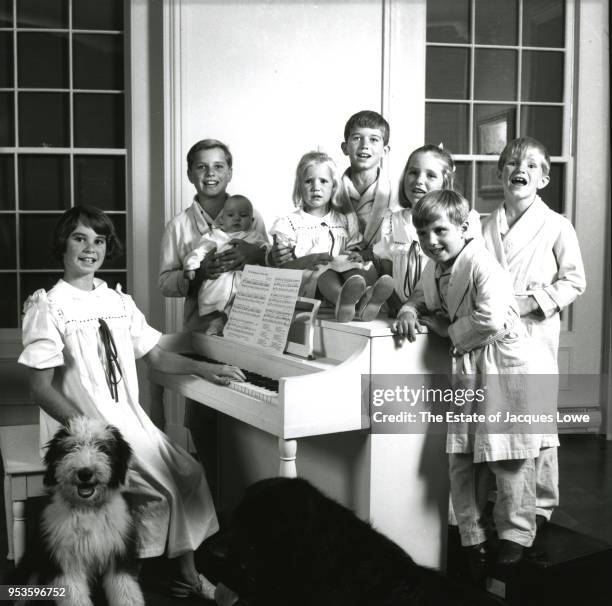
(256, 386)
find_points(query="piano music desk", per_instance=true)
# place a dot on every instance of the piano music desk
(396, 481)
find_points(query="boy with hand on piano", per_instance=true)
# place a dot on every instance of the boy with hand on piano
(321, 237)
(428, 168)
(217, 294)
(465, 295)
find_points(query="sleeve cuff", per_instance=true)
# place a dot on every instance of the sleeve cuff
(408, 308)
(42, 357)
(147, 342)
(546, 303)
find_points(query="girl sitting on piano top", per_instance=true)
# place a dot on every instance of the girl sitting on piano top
(81, 341)
(323, 236)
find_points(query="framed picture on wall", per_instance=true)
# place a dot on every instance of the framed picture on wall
(493, 132)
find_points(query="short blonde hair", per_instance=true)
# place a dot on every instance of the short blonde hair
(440, 203)
(310, 159)
(517, 148)
(209, 144)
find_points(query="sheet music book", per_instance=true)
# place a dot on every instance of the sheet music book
(263, 309)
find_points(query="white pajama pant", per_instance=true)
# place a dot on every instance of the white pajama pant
(547, 481)
(514, 510)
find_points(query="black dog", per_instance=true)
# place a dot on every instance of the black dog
(298, 547)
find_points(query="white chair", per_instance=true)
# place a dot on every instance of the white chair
(23, 478)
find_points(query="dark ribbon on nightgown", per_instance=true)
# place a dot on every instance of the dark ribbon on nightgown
(112, 368)
(331, 236)
(413, 271)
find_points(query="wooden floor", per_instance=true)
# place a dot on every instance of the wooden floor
(585, 468)
(585, 484)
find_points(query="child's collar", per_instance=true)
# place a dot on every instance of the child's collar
(514, 212)
(358, 187)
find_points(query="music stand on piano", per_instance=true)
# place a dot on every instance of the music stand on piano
(300, 340)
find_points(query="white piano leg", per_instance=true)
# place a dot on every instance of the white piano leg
(19, 530)
(287, 450)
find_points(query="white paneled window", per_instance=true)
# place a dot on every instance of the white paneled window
(62, 134)
(496, 70)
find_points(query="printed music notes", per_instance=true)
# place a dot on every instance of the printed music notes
(264, 306)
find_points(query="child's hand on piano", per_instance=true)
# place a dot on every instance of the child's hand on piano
(406, 325)
(221, 374)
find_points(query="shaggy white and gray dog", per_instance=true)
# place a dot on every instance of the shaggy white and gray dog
(87, 530)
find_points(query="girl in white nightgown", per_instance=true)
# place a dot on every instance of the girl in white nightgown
(428, 168)
(323, 238)
(81, 341)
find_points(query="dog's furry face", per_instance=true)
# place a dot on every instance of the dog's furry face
(85, 460)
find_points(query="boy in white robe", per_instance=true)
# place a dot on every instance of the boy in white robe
(366, 190)
(539, 249)
(464, 294)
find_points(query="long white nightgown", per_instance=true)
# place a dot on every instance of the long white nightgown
(166, 486)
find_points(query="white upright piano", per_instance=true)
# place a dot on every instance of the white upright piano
(307, 417)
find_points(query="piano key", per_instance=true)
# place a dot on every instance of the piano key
(256, 385)
(254, 391)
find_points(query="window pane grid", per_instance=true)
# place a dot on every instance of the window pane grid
(71, 109)
(99, 169)
(533, 97)
(498, 47)
(84, 91)
(18, 297)
(519, 71)
(34, 30)
(471, 107)
(107, 151)
(497, 102)
(47, 213)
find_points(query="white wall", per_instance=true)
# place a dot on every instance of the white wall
(274, 80)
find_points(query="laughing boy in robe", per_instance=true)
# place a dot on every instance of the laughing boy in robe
(539, 249)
